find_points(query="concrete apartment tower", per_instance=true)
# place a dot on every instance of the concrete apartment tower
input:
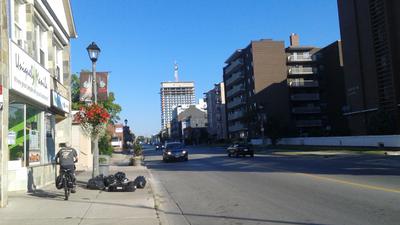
(173, 94)
(371, 52)
(304, 87)
(35, 91)
(255, 88)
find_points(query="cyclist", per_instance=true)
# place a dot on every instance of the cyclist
(66, 158)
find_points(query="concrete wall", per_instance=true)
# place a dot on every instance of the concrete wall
(362, 141)
(81, 143)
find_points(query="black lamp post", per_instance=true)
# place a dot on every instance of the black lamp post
(94, 52)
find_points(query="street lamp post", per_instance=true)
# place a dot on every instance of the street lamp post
(94, 51)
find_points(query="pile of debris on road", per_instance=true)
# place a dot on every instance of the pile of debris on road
(116, 182)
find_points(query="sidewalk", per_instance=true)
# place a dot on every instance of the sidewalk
(47, 206)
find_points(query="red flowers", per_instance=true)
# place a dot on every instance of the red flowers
(92, 118)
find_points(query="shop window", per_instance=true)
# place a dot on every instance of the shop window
(16, 133)
(49, 138)
(33, 135)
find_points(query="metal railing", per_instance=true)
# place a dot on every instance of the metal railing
(234, 77)
(236, 127)
(302, 70)
(303, 83)
(233, 65)
(236, 115)
(304, 97)
(235, 103)
(299, 58)
(307, 109)
(308, 123)
(235, 90)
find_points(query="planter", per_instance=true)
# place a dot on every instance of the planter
(104, 165)
(104, 169)
(136, 161)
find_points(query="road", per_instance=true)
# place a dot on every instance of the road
(213, 189)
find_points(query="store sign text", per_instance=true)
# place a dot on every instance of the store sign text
(28, 77)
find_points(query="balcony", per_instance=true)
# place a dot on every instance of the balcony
(303, 83)
(302, 70)
(308, 123)
(235, 90)
(236, 102)
(236, 127)
(305, 97)
(236, 76)
(235, 115)
(233, 65)
(306, 110)
(300, 58)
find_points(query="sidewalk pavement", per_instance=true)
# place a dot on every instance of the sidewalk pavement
(46, 206)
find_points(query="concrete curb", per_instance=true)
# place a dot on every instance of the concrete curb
(168, 211)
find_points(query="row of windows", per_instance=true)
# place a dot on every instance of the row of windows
(49, 56)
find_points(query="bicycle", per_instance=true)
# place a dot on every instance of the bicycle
(67, 182)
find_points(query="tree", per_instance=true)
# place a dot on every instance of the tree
(113, 108)
(75, 92)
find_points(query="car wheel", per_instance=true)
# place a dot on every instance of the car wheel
(252, 155)
(186, 159)
(237, 155)
(229, 154)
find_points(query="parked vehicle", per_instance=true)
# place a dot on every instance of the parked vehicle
(159, 146)
(175, 151)
(240, 150)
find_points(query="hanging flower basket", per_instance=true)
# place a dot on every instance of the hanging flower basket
(93, 119)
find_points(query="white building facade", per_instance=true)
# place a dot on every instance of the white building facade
(36, 90)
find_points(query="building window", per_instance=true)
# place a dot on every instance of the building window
(19, 24)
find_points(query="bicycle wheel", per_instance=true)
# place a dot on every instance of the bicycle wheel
(66, 188)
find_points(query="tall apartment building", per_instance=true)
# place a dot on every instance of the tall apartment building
(35, 83)
(371, 52)
(173, 94)
(216, 112)
(254, 79)
(304, 87)
(316, 85)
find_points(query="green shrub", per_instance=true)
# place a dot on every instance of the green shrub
(105, 147)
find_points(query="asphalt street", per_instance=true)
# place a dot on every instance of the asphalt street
(212, 189)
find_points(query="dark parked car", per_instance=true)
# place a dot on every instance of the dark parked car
(240, 150)
(159, 147)
(175, 151)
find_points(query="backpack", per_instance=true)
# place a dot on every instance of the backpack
(140, 181)
(59, 182)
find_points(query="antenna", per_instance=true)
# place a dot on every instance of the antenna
(176, 71)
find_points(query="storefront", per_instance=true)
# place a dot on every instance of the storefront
(31, 136)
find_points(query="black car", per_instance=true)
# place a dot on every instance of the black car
(240, 150)
(175, 151)
(159, 147)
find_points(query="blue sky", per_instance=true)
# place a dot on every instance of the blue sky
(140, 39)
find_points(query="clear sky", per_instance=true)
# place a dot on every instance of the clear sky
(140, 39)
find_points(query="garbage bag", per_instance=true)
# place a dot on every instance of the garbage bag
(140, 182)
(96, 183)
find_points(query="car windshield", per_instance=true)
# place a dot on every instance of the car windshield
(174, 146)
